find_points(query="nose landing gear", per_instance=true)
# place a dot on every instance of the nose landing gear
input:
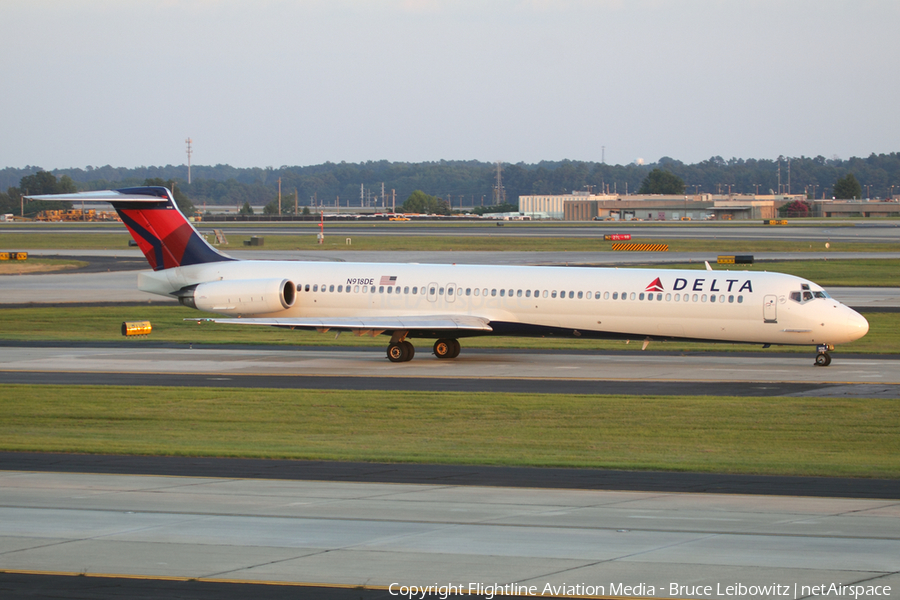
(823, 358)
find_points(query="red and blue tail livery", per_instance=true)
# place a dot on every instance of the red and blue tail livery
(161, 230)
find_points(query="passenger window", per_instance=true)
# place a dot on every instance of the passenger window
(641, 296)
(477, 291)
(449, 291)
(484, 292)
(544, 294)
(731, 299)
(606, 296)
(372, 289)
(316, 287)
(712, 297)
(553, 295)
(365, 289)
(703, 298)
(380, 289)
(356, 289)
(740, 299)
(510, 293)
(493, 292)
(340, 288)
(415, 290)
(588, 296)
(440, 291)
(468, 291)
(571, 294)
(632, 295)
(615, 295)
(389, 288)
(650, 297)
(307, 287)
(694, 298)
(502, 293)
(406, 290)
(432, 291)
(518, 293)
(528, 293)
(668, 297)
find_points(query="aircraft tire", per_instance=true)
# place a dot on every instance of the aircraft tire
(398, 353)
(456, 349)
(410, 349)
(443, 348)
(823, 359)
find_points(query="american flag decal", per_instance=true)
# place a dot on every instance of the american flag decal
(388, 280)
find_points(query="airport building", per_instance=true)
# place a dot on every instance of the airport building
(582, 206)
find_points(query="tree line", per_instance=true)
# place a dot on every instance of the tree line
(468, 183)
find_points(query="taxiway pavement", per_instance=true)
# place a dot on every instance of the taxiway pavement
(376, 535)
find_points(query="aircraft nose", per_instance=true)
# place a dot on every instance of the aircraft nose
(857, 325)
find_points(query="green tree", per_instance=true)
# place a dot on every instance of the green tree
(272, 208)
(847, 188)
(40, 183)
(184, 203)
(662, 182)
(422, 203)
(246, 209)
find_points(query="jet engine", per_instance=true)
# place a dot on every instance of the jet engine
(240, 297)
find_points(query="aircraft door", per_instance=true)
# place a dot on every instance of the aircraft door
(432, 292)
(451, 292)
(770, 309)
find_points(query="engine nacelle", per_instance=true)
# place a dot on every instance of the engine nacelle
(240, 297)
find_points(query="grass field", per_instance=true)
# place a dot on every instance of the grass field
(786, 436)
(103, 325)
(491, 241)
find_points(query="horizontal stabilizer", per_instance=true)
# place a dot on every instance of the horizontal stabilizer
(101, 196)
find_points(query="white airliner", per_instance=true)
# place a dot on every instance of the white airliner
(448, 302)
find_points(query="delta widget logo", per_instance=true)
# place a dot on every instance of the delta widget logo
(656, 286)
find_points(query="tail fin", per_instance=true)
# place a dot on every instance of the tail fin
(160, 229)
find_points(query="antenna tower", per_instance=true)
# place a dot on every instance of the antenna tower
(189, 152)
(499, 192)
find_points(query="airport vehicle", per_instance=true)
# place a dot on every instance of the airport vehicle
(449, 302)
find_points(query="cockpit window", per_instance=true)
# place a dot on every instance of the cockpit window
(805, 294)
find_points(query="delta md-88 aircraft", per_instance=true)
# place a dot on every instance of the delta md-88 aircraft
(449, 302)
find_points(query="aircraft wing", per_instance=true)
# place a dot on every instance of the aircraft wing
(367, 325)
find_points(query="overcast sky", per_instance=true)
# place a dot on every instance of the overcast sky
(300, 82)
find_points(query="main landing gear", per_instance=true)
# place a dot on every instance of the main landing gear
(446, 348)
(823, 359)
(400, 350)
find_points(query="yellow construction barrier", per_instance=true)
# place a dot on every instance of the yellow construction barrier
(136, 328)
(13, 256)
(642, 247)
(741, 259)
